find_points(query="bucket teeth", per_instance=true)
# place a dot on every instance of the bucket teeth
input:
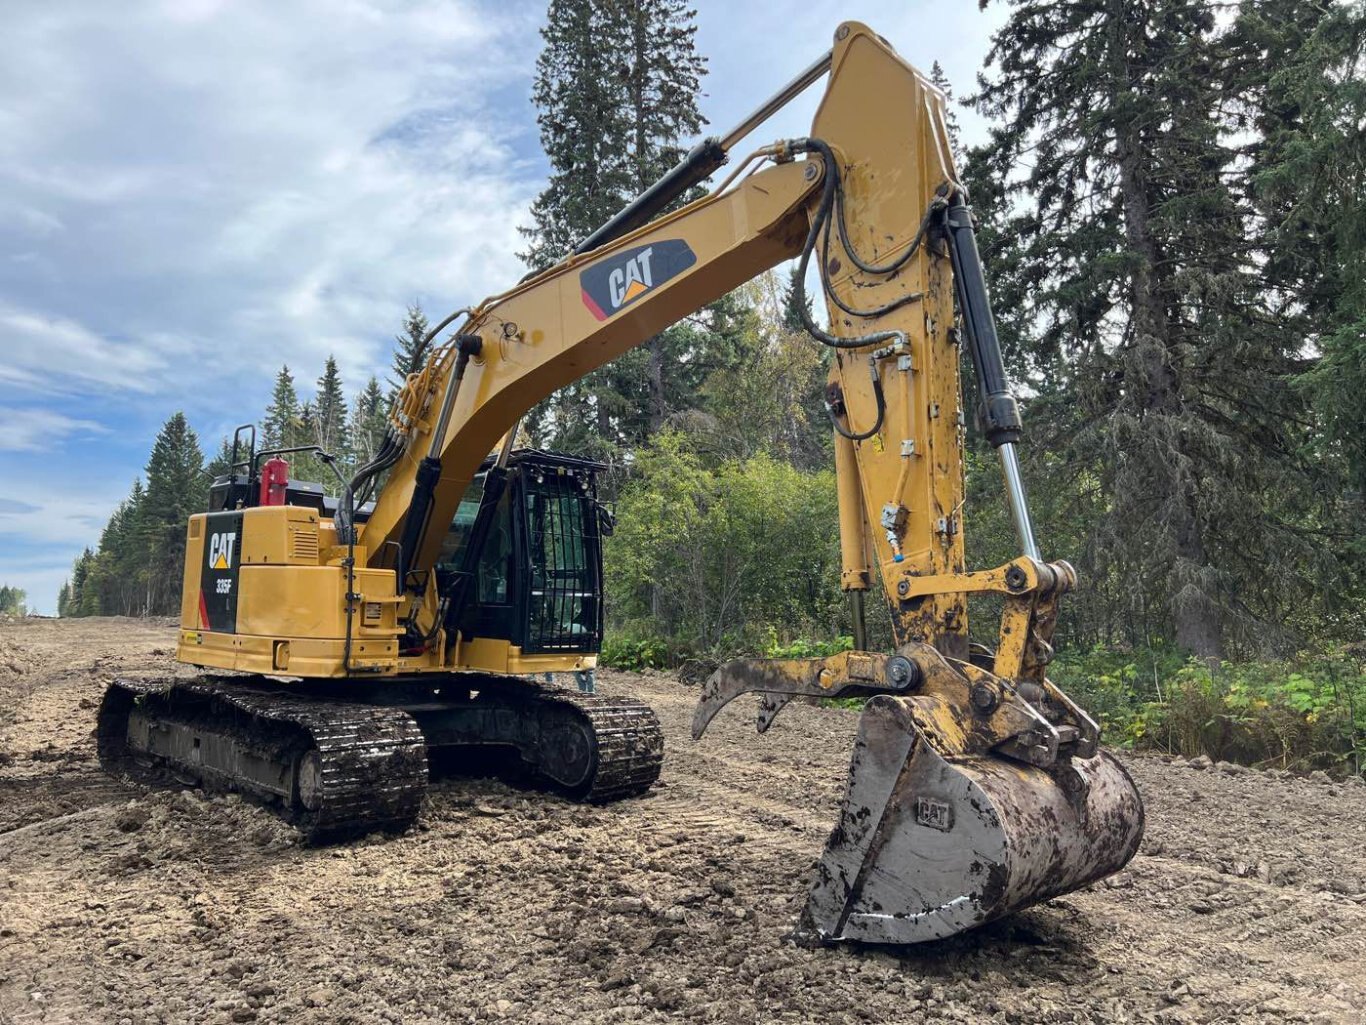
(927, 845)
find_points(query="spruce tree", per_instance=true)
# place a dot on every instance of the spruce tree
(64, 600)
(221, 463)
(369, 419)
(616, 89)
(329, 412)
(1299, 72)
(411, 349)
(279, 428)
(579, 98)
(117, 571)
(176, 488)
(796, 301)
(941, 82)
(86, 600)
(79, 571)
(1122, 272)
(133, 558)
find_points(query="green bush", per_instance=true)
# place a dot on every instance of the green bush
(1302, 713)
(719, 558)
(635, 653)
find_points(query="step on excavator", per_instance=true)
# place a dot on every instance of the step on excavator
(450, 599)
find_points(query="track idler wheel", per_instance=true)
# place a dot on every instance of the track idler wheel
(927, 846)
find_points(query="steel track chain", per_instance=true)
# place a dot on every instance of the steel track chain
(630, 741)
(372, 759)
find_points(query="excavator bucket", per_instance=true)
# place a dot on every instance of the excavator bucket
(969, 797)
(927, 845)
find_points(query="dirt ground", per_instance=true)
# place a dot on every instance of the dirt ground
(123, 905)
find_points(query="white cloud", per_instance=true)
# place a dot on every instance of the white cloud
(37, 430)
(43, 529)
(268, 181)
(68, 513)
(46, 353)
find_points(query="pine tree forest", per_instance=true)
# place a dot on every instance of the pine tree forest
(1171, 198)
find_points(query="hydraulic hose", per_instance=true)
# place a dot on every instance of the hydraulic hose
(938, 203)
(878, 397)
(388, 454)
(818, 225)
(357, 490)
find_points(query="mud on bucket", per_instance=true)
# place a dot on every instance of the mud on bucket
(928, 845)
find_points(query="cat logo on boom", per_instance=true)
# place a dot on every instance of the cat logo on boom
(631, 280)
(220, 549)
(620, 280)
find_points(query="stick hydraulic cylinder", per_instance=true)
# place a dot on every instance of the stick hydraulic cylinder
(1000, 414)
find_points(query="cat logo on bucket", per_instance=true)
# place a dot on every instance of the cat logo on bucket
(220, 549)
(617, 282)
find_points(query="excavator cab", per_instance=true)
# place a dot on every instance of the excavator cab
(533, 567)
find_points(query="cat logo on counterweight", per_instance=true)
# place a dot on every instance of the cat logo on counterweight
(620, 280)
(220, 550)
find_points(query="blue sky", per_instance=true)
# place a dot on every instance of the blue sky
(193, 192)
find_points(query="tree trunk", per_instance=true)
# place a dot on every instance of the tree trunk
(658, 407)
(1196, 618)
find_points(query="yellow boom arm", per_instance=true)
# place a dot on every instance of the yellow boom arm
(883, 124)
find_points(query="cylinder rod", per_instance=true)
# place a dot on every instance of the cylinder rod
(1015, 495)
(860, 621)
(694, 168)
(855, 570)
(777, 101)
(697, 165)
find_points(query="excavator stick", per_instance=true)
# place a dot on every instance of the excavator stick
(977, 787)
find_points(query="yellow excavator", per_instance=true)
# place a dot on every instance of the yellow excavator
(451, 596)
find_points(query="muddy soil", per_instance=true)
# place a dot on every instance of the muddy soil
(124, 905)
